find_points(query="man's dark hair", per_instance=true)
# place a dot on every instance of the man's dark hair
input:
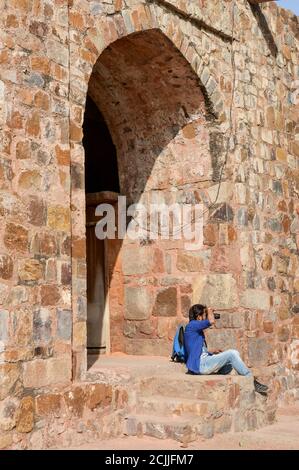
(196, 310)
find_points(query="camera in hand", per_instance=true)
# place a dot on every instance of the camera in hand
(216, 316)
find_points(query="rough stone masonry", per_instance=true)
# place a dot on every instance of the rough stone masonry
(193, 92)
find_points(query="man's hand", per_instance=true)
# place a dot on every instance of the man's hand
(210, 315)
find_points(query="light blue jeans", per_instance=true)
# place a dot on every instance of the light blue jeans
(223, 363)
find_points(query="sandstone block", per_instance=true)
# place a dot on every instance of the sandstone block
(218, 290)
(99, 395)
(148, 347)
(43, 372)
(136, 260)
(37, 211)
(190, 262)
(30, 180)
(5, 441)
(4, 325)
(59, 218)
(8, 411)
(256, 299)
(9, 375)
(138, 303)
(44, 243)
(79, 334)
(222, 339)
(16, 237)
(166, 302)
(42, 326)
(64, 324)
(258, 351)
(267, 263)
(25, 415)
(4, 290)
(48, 404)
(50, 295)
(283, 333)
(268, 326)
(6, 267)
(75, 401)
(30, 270)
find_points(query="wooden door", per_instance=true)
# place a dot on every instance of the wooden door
(97, 302)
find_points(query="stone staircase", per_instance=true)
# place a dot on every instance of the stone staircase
(165, 402)
(187, 407)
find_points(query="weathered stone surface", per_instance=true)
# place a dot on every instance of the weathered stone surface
(30, 180)
(42, 325)
(258, 350)
(37, 211)
(223, 212)
(218, 290)
(130, 329)
(8, 413)
(231, 320)
(75, 401)
(156, 347)
(185, 305)
(222, 194)
(99, 395)
(9, 375)
(210, 235)
(190, 262)
(145, 327)
(4, 325)
(283, 333)
(59, 218)
(48, 404)
(50, 295)
(138, 303)
(267, 263)
(268, 326)
(43, 372)
(25, 415)
(44, 244)
(16, 237)
(6, 266)
(5, 441)
(79, 334)
(166, 302)
(81, 309)
(136, 260)
(62, 155)
(222, 339)
(66, 274)
(30, 270)
(253, 298)
(64, 324)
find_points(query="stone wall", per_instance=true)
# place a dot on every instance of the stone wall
(244, 111)
(61, 417)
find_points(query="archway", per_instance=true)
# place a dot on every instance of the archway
(154, 107)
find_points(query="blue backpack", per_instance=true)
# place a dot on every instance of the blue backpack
(178, 350)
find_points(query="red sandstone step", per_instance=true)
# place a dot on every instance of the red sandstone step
(178, 428)
(158, 404)
(184, 386)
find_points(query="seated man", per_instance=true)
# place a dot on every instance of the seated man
(200, 360)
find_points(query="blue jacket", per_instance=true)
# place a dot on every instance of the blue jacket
(194, 339)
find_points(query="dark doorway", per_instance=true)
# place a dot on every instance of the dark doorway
(101, 172)
(101, 180)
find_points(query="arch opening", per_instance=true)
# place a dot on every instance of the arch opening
(155, 111)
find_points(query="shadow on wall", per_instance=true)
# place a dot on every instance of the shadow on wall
(262, 22)
(146, 94)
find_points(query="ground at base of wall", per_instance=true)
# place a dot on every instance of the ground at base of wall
(282, 435)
